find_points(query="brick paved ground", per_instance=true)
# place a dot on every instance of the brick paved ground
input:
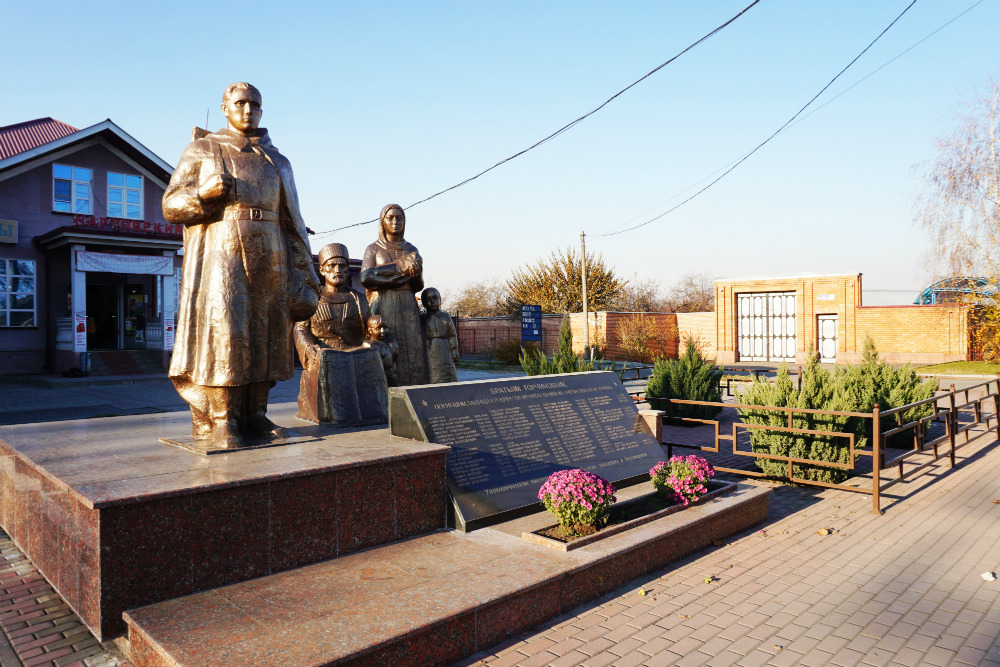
(900, 590)
(39, 630)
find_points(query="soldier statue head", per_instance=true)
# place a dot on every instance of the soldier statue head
(241, 105)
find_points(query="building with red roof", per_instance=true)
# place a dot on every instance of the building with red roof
(87, 262)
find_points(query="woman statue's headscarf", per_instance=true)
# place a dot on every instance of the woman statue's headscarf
(381, 225)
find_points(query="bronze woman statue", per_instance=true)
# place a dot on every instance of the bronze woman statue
(392, 274)
(341, 316)
(342, 381)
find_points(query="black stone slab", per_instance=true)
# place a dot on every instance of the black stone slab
(507, 436)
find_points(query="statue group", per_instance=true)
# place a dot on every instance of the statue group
(249, 289)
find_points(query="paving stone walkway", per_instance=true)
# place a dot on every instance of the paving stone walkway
(901, 590)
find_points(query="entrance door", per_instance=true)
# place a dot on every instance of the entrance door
(103, 320)
(766, 326)
(826, 328)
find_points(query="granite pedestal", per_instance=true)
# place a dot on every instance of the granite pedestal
(115, 519)
(420, 602)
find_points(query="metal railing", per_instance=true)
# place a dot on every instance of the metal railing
(959, 411)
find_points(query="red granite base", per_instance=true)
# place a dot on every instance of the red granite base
(115, 519)
(428, 600)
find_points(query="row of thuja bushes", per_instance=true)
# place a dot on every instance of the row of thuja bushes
(848, 388)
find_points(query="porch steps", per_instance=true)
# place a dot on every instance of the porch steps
(424, 601)
(126, 362)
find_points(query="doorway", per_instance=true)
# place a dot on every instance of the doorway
(826, 331)
(103, 317)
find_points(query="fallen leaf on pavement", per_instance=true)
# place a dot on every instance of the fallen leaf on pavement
(719, 543)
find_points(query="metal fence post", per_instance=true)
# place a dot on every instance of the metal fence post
(876, 459)
(953, 423)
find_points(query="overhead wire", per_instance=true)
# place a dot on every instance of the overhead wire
(773, 135)
(568, 125)
(802, 118)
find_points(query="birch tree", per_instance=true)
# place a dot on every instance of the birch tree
(960, 209)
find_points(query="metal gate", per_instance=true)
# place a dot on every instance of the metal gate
(826, 332)
(766, 326)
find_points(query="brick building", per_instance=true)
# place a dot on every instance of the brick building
(780, 319)
(87, 262)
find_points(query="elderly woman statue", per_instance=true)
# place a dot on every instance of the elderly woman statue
(343, 382)
(392, 274)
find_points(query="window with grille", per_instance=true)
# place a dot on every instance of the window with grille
(17, 293)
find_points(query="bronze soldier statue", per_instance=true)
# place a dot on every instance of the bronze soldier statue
(247, 273)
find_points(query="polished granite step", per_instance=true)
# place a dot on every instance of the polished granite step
(115, 519)
(427, 600)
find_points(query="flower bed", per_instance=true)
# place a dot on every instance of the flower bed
(623, 516)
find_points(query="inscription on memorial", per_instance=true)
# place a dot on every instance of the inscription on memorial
(507, 436)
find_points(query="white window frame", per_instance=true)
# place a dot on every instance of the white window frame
(8, 294)
(125, 189)
(73, 182)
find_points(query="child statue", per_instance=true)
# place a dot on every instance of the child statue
(442, 339)
(382, 341)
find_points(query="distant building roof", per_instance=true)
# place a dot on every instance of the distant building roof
(22, 137)
(32, 146)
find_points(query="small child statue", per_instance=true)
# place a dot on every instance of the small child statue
(442, 339)
(382, 341)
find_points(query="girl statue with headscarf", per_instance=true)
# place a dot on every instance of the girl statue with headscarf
(392, 274)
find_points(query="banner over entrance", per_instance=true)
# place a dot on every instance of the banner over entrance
(154, 265)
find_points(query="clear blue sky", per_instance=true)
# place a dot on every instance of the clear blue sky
(378, 102)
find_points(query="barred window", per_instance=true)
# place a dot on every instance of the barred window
(17, 293)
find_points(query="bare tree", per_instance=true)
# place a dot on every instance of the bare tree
(960, 210)
(693, 293)
(640, 296)
(483, 298)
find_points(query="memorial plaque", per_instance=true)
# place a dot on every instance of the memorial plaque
(507, 436)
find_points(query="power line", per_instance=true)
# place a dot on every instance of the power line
(802, 118)
(567, 126)
(776, 132)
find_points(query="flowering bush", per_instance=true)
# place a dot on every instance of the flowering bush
(682, 478)
(578, 498)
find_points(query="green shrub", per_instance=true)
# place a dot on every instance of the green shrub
(509, 351)
(691, 377)
(534, 362)
(851, 388)
(875, 381)
(818, 392)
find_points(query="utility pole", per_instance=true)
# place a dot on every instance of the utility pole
(586, 320)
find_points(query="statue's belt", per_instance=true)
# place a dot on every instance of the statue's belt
(249, 213)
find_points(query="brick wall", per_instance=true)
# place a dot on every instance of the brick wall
(916, 334)
(911, 333)
(477, 336)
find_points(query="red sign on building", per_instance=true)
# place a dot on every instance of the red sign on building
(121, 225)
